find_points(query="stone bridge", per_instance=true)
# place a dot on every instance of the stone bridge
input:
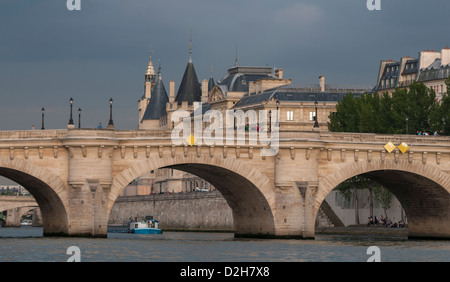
(12, 202)
(16, 207)
(76, 175)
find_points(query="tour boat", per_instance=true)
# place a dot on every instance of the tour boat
(147, 226)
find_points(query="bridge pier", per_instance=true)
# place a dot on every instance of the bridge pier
(88, 209)
(13, 217)
(294, 212)
(37, 218)
(89, 185)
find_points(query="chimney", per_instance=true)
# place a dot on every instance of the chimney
(172, 92)
(204, 91)
(445, 56)
(279, 73)
(322, 83)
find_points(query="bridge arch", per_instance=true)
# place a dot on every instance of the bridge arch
(422, 189)
(48, 190)
(248, 192)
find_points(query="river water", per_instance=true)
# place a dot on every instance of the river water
(27, 244)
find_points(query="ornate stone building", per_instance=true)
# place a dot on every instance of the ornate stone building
(242, 88)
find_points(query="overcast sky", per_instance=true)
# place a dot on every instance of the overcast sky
(49, 54)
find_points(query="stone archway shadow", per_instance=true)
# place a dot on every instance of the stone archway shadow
(47, 189)
(423, 191)
(247, 191)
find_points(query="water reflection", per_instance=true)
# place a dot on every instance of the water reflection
(28, 244)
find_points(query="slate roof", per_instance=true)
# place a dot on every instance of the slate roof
(304, 93)
(211, 83)
(190, 88)
(157, 105)
(412, 66)
(435, 71)
(238, 78)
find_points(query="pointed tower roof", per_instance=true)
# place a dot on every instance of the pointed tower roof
(211, 82)
(190, 88)
(150, 69)
(157, 106)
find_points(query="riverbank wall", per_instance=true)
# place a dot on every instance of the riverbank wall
(195, 211)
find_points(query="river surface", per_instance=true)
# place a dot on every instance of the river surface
(27, 244)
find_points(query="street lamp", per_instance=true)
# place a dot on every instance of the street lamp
(443, 126)
(277, 101)
(79, 118)
(43, 113)
(406, 124)
(316, 123)
(111, 123)
(71, 104)
(270, 120)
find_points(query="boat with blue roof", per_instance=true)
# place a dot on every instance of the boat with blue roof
(149, 225)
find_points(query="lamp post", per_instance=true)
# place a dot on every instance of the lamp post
(316, 123)
(79, 118)
(111, 123)
(406, 124)
(43, 113)
(277, 101)
(270, 120)
(443, 126)
(71, 105)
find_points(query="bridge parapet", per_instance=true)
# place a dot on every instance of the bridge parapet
(33, 134)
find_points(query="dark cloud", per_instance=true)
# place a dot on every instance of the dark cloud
(49, 54)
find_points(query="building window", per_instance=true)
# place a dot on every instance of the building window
(312, 115)
(290, 115)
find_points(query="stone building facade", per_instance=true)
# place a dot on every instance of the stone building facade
(431, 67)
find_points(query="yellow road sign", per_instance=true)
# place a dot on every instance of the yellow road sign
(403, 147)
(389, 147)
(191, 140)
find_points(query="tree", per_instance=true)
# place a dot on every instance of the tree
(345, 118)
(348, 189)
(417, 104)
(384, 196)
(384, 113)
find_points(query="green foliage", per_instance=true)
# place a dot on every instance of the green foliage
(344, 119)
(384, 113)
(346, 188)
(384, 197)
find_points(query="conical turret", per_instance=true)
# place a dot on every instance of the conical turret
(157, 105)
(211, 82)
(190, 88)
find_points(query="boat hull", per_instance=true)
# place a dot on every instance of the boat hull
(146, 231)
